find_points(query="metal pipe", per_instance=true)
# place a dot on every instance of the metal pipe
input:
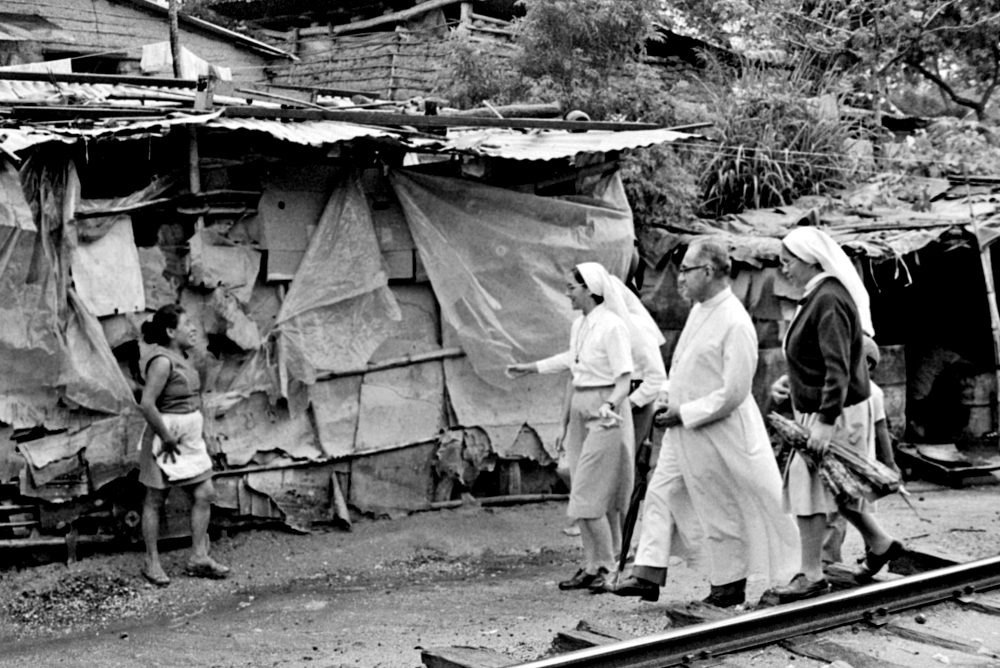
(6, 544)
(766, 626)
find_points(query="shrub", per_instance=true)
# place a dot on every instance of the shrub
(777, 141)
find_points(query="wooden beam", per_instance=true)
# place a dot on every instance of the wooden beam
(828, 651)
(395, 17)
(76, 112)
(464, 657)
(175, 40)
(497, 500)
(465, 16)
(112, 79)
(489, 19)
(584, 636)
(544, 110)
(322, 90)
(491, 31)
(389, 119)
(396, 362)
(937, 637)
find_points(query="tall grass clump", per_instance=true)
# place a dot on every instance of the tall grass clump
(779, 138)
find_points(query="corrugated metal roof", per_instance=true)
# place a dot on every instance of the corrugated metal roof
(553, 145)
(118, 95)
(308, 133)
(536, 145)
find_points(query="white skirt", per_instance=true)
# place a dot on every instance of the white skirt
(192, 452)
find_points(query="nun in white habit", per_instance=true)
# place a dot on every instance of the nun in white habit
(598, 435)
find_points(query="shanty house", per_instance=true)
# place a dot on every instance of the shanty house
(359, 290)
(121, 37)
(917, 243)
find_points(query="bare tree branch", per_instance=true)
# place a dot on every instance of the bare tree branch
(943, 85)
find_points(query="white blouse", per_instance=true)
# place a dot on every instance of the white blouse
(599, 350)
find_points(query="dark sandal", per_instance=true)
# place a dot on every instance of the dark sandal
(210, 569)
(158, 580)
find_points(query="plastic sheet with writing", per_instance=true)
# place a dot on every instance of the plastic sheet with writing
(498, 261)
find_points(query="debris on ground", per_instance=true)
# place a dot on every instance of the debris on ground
(73, 601)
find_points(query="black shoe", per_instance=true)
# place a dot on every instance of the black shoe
(873, 563)
(727, 595)
(602, 582)
(800, 588)
(581, 580)
(633, 586)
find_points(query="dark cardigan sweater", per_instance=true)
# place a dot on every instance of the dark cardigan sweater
(826, 365)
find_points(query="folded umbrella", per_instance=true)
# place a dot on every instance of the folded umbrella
(638, 494)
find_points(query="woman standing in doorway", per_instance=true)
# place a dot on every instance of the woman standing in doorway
(176, 455)
(829, 385)
(597, 428)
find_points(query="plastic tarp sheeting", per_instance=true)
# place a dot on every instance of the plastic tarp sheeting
(219, 262)
(91, 373)
(31, 348)
(339, 308)
(498, 261)
(107, 273)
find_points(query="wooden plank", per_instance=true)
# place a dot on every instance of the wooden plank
(113, 79)
(841, 576)
(543, 110)
(820, 649)
(388, 119)
(586, 634)
(689, 613)
(922, 557)
(464, 657)
(489, 19)
(989, 605)
(930, 636)
(395, 17)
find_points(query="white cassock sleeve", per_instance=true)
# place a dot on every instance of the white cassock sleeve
(739, 361)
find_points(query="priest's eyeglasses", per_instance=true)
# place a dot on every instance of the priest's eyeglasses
(684, 271)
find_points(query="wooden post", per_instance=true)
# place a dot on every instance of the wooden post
(465, 18)
(194, 171)
(175, 40)
(391, 92)
(986, 259)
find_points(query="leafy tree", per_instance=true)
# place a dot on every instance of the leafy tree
(953, 44)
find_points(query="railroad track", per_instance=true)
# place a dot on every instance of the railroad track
(806, 628)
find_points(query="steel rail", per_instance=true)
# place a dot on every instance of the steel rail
(762, 627)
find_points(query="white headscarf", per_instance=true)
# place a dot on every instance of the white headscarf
(620, 301)
(814, 246)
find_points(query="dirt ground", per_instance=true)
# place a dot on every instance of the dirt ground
(376, 595)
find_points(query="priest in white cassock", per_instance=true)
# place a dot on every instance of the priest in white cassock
(716, 488)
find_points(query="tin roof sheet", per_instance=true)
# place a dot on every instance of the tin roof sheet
(554, 145)
(308, 133)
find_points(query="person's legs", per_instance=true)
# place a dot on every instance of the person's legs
(200, 563)
(833, 537)
(151, 507)
(881, 546)
(876, 538)
(202, 495)
(596, 535)
(615, 519)
(812, 529)
(811, 581)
